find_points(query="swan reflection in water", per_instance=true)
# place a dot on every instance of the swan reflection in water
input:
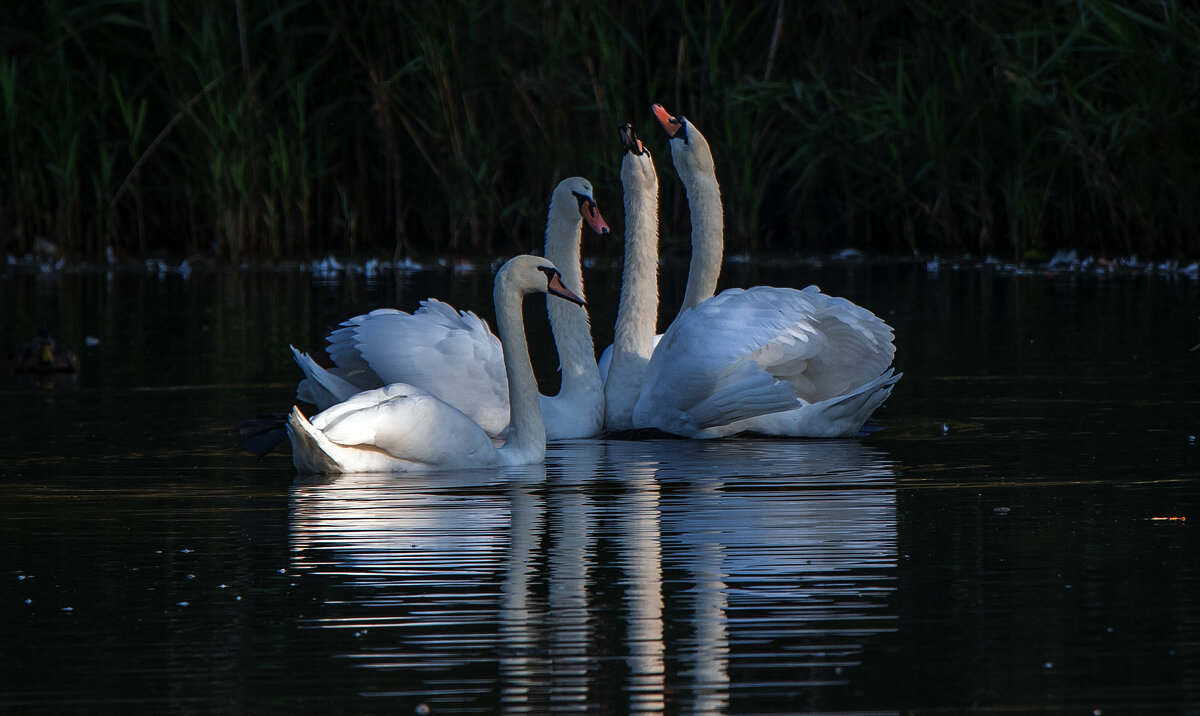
(649, 564)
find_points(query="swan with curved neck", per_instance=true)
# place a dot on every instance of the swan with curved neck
(400, 427)
(454, 355)
(776, 361)
(577, 410)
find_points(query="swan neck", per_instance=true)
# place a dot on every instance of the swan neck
(637, 313)
(569, 322)
(708, 239)
(526, 432)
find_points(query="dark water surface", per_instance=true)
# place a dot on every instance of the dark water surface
(1018, 534)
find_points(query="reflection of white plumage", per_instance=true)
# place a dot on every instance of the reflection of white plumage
(777, 361)
(771, 552)
(401, 427)
(453, 354)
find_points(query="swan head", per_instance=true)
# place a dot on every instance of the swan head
(533, 274)
(637, 168)
(629, 141)
(691, 152)
(577, 192)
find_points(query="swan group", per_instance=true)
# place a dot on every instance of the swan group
(453, 355)
(433, 389)
(767, 360)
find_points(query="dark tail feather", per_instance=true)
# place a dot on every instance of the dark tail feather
(261, 433)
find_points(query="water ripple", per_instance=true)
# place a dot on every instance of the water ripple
(685, 560)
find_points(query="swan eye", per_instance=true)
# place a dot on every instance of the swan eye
(683, 125)
(583, 199)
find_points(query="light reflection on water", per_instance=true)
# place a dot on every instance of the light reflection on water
(1013, 561)
(715, 571)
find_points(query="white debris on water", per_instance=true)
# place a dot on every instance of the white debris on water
(332, 269)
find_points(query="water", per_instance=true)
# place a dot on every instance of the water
(1017, 534)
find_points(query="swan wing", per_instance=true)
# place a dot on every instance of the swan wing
(838, 417)
(450, 354)
(349, 364)
(320, 386)
(847, 346)
(409, 425)
(747, 353)
(703, 373)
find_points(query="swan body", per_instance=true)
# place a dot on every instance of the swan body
(453, 355)
(775, 361)
(401, 427)
(448, 353)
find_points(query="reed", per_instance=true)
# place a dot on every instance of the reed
(290, 128)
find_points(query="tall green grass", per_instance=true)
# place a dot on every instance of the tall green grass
(289, 128)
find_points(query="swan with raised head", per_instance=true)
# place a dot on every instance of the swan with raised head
(694, 163)
(401, 427)
(453, 355)
(775, 361)
(624, 363)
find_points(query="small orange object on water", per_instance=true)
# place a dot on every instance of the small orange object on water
(1168, 519)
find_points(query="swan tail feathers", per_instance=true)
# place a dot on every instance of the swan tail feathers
(320, 386)
(850, 412)
(309, 447)
(844, 416)
(839, 417)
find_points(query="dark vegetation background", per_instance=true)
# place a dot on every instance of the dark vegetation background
(271, 129)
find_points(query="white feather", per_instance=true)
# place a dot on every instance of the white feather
(777, 361)
(403, 427)
(453, 355)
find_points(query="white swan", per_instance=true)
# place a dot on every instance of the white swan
(401, 427)
(777, 361)
(639, 292)
(624, 363)
(454, 355)
(694, 163)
